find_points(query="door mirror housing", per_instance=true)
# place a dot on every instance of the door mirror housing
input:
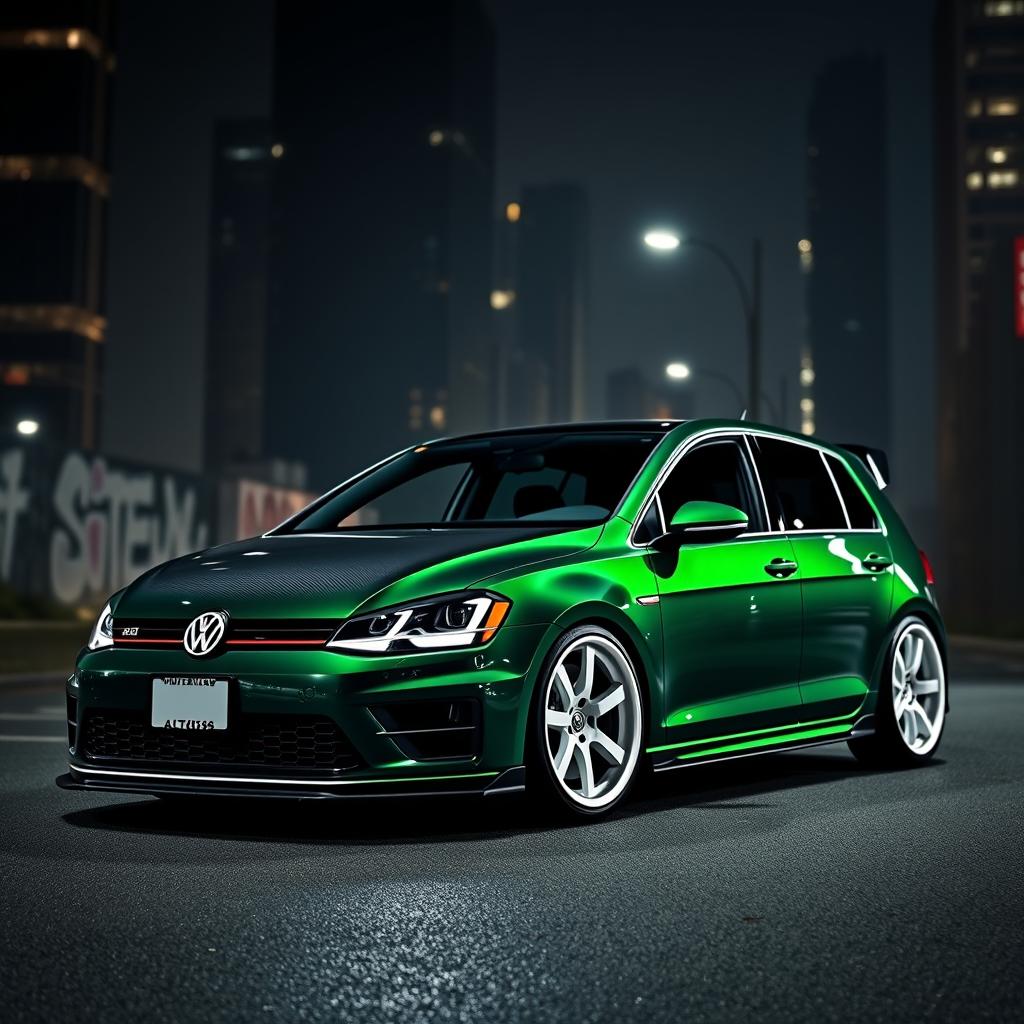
(701, 522)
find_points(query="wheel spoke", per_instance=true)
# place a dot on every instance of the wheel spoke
(567, 745)
(908, 726)
(556, 719)
(587, 673)
(565, 685)
(899, 671)
(926, 686)
(586, 768)
(921, 718)
(610, 700)
(918, 654)
(609, 746)
(902, 704)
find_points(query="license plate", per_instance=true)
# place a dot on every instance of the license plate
(190, 703)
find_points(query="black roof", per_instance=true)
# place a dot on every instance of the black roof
(589, 426)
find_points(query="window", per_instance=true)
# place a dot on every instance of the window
(515, 492)
(1002, 106)
(715, 471)
(423, 499)
(799, 489)
(859, 511)
(1002, 179)
(524, 479)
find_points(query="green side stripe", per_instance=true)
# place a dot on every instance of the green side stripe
(764, 741)
(753, 732)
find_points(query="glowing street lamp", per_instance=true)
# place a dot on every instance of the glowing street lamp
(677, 371)
(27, 428)
(662, 240)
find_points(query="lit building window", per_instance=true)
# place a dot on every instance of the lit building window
(502, 298)
(277, 151)
(997, 154)
(975, 180)
(55, 39)
(437, 417)
(55, 168)
(513, 211)
(1002, 106)
(1004, 8)
(1003, 179)
(436, 137)
(807, 376)
(973, 108)
(72, 319)
(16, 376)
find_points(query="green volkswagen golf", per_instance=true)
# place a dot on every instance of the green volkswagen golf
(555, 609)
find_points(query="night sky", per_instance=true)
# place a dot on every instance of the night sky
(688, 113)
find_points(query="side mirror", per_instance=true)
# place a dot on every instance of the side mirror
(700, 522)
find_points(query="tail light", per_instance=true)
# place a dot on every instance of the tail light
(929, 572)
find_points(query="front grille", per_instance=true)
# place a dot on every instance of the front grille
(432, 730)
(242, 634)
(267, 741)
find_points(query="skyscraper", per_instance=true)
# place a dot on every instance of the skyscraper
(244, 153)
(979, 262)
(844, 256)
(56, 63)
(551, 302)
(382, 226)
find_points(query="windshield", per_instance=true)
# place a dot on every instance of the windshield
(528, 479)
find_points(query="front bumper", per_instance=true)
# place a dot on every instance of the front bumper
(364, 698)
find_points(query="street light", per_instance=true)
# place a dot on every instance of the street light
(682, 371)
(663, 240)
(27, 428)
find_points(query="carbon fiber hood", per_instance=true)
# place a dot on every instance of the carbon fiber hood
(331, 575)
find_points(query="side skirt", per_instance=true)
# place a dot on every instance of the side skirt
(864, 726)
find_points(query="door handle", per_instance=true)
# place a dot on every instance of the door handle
(780, 568)
(876, 563)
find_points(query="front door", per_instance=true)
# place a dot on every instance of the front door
(731, 615)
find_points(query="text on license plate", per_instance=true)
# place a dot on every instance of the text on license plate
(190, 702)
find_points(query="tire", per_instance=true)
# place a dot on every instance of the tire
(911, 711)
(588, 725)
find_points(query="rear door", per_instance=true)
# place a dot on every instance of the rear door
(730, 610)
(845, 570)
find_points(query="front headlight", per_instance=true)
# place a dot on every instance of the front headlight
(455, 620)
(103, 632)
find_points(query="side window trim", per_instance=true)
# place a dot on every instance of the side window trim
(755, 471)
(835, 487)
(865, 496)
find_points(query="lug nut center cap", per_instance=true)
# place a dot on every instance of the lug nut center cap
(577, 721)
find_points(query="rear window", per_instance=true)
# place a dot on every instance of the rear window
(862, 516)
(798, 487)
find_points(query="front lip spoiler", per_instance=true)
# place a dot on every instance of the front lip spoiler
(109, 780)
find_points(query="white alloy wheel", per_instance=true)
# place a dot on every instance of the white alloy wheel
(593, 721)
(918, 688)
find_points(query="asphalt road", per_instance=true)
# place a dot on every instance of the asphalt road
(786, 888)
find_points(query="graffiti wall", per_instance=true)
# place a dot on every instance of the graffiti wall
(75, 527)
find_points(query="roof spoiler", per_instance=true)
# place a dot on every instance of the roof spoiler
(876, 461)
